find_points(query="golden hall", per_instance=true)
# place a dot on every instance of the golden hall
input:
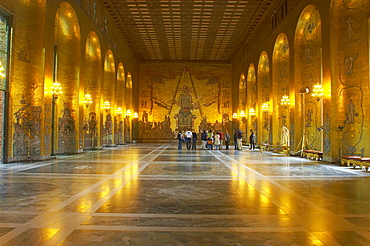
(184, 122)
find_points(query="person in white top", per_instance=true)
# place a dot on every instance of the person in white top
(217, 141)
(188, 137)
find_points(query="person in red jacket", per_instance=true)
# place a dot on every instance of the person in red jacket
(221, 138)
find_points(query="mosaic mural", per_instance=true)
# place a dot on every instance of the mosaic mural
(183, 98)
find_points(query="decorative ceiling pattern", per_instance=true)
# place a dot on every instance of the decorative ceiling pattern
(187, 30)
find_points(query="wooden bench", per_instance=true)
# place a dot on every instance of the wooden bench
(312, 154)
(354, 161)
(347, 160)
(365, 162)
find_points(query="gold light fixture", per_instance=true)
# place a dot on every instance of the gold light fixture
(252, 112)
(265, 106)
(235, 115)
(317, 91)
(128, 112)
(56, 90)
(106, 106)
(119, 111)
(136, 115)
(285, 101)
(87, 100)
(242, 114)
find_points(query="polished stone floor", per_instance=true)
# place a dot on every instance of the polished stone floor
(154, 194)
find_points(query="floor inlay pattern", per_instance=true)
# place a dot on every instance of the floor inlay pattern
(154, 194)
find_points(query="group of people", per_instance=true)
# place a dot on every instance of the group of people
(213, 139)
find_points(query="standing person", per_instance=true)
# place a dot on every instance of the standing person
(221, 138)
(188, 136)
(204, 137)
(235, 139)
(180, 138)
(239, 137)
(210, 143)
(217, 141)
(210, 134)
(252, 140)
(194, 140)
(227, 139)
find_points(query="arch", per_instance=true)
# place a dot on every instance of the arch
(252, 96)
(265, 98)
(128, 103)
(109, 92)
(242, 107)
(281, 87)
(120, 103)
(308, 73)
(242, 93)
(92, 87)
(67, 63)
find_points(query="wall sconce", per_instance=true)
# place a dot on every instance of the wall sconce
(119, 111)
(87, 100)
(265, 107)
(317, 91)
(235, 116)
(56, 90)
(106, 106)
(252, 112)
(242, 116)
(128, 113)
(285, 101)
(136, 116)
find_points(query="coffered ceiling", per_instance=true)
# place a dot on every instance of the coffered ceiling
(187, 30)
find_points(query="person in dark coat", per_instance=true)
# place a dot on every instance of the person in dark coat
(252, 140)
(194, 140)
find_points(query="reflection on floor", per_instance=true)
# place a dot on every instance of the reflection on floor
(154, 194)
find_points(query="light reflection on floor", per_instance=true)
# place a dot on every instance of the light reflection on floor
(154, 194)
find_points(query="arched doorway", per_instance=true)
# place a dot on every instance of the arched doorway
(92, 91)
(66, 72)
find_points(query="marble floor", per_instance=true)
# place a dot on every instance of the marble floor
(154, 194)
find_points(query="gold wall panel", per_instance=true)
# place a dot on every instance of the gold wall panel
(264, 99)
(308, 73)
(252, 104)
(67, 64)
(92, 86)
(281, 87)
(244, 104)
(184, 96)
(350, 82)
(25, 121)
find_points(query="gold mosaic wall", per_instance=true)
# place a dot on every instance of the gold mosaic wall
(308, 74)
(331, 51)
(25, 121)
(350, 80)
(281, 88)
(78, 46)
(264, 99)
(183, 96)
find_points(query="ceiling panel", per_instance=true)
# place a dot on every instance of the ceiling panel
(187, 30)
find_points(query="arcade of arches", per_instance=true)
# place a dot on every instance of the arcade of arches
(115, 80)
(71, 83)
